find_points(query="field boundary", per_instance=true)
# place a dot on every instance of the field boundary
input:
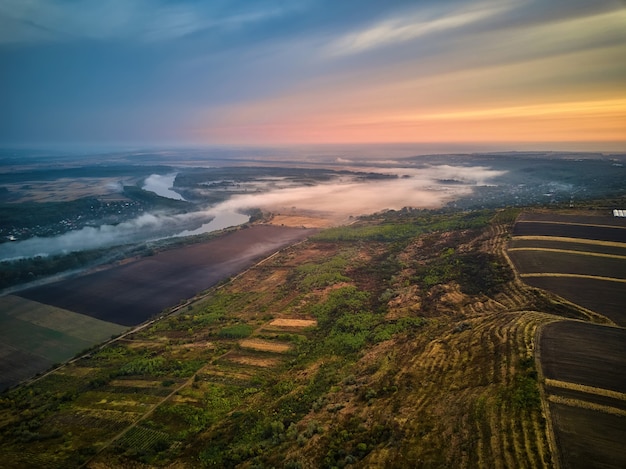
(547, 222)
(565, 239)
(545, 405)
(586, 389)
(555, 274)
(568, 401)
(570, 251)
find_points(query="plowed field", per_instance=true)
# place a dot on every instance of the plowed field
(130, 294)
(581, 258)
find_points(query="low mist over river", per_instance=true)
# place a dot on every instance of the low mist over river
(168, 194)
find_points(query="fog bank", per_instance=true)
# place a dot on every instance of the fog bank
(427, 187)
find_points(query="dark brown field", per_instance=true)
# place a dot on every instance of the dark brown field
(581, 263)
(604, 297)
(560, 247)
(130, 294)
(584, 353)
(589, 439)
(617, 249)
(17, 365)
(600, 233)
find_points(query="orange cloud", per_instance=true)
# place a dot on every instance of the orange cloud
(551, 122)
(553, 82)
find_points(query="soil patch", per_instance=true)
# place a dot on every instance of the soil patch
(301, 221)
(17, 365)
(603, 297)
(529, 261)
(588, 438)
(586, 218)
(584, 353)
(293, 323)
(264, 345)
(263, 362)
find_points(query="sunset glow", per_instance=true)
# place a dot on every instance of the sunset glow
(516, 74)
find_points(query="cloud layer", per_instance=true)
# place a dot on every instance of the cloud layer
(268, 72)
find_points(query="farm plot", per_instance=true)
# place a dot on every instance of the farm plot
(130, 294)
(584, 353)
(17, 365)
(568, 244)
(586, 218)
(581, 258)
(571, 230)
(569, 262)
(602, 296)
(41, 341)
(76, 325)
(33, 336)
(589, 439)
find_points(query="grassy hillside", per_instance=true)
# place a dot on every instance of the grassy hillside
(404, 340)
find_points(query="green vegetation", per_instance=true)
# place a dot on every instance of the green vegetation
(236, 331)
(322, 274)
(475, 272)
(406, 224)
(383, 379)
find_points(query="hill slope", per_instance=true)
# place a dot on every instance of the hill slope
(402, 340)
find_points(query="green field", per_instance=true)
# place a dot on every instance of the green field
(51, 334)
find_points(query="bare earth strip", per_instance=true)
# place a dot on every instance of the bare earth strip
(554, 274)
(263, 362)
(553, 222)
(284, 322)
(564, 239)
(602, 218)
(568, 251)
(544, 261)
(264, 345)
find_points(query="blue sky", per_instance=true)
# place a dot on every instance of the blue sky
(518, 72)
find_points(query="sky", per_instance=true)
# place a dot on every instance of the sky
(513, 74)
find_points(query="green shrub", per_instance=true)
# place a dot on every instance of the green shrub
(236, 331)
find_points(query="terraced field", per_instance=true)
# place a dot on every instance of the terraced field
(581, 258)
